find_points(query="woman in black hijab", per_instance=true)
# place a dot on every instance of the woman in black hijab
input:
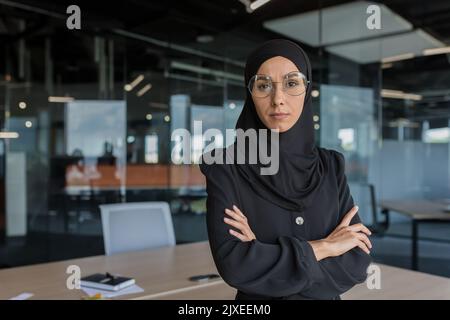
(294, 234)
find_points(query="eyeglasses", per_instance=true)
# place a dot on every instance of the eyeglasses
(294, 84)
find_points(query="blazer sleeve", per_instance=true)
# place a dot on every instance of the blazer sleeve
(344, 271)
(281, 269)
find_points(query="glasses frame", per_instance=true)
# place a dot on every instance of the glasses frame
(254, 78)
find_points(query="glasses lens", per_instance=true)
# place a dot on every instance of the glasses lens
(295, 83)
(260, 86)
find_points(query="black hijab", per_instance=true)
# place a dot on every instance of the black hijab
(302, 168)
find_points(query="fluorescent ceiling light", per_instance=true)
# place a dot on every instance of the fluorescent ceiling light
(136, 81)
(158, 105)
(402, 122)
(433, 51)
(386, 49)
(144, 89)
(399, 57)
(8, 135)
(205, 38)
(397, 94)
(257, 4)
(130, 86)
(60, 99)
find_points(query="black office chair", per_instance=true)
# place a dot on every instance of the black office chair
(364, 196)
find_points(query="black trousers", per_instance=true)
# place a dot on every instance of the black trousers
(245, 296)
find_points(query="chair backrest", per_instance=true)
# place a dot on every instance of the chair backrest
(364, 196)
(136, 226)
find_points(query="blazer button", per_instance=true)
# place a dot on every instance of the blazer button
(299, 220)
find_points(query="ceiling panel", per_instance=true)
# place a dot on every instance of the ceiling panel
(374, 50)
(340, 23)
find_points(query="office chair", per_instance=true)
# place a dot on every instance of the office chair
(364, 196)
(136, 226)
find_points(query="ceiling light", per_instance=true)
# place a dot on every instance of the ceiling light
(158, 105)
(397, 94)
(402, 122)
(257, 4)
(60, 99)
(433, 51)
(8, 135)
(205, 38)
(399, 57)
(142, 91)
(134, 83)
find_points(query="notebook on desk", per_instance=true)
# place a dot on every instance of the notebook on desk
(106, 282)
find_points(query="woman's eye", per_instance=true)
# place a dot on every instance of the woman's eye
(291, 84)
(263, 86)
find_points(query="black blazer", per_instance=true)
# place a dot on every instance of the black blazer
(280, 263)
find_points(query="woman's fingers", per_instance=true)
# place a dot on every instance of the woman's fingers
(238, 211)
(363, 247)
(239, 236)
(349, 216)
(239, 221)
(236, 224)
(366, 240)
(359, 227)
(234, 215)
(362, 237)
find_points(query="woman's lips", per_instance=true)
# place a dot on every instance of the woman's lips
(279, 115)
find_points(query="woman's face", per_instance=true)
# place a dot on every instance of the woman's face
(278, 110)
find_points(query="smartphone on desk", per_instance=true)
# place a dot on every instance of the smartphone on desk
(204, 277)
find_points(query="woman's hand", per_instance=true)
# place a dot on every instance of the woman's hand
(343, 238)
(239, 221)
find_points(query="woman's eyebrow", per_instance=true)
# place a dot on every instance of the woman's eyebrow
(290, 73)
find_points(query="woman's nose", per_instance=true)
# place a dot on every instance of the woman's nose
(277, 96)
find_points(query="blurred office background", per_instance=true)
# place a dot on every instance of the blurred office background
(86, 115)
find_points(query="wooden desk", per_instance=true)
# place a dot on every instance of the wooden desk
(419, 211)
(164, 273)
(396, 284)
(156, 271)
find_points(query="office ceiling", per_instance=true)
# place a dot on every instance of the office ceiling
(235, 32)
